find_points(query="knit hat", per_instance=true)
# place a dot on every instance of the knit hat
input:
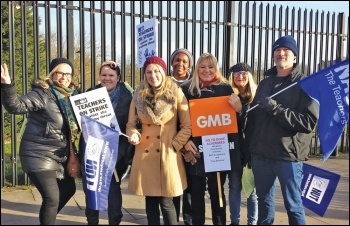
(58, 61)
(185, 51)
(288, 42)
(241, 67)
(155, 60)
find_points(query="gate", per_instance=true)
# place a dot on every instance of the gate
(90, 32)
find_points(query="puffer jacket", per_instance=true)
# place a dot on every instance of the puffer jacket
(44, 143)
(286, 134)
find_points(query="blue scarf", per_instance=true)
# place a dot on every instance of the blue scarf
(114, 96)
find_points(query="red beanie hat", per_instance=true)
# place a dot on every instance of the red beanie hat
(155, 60)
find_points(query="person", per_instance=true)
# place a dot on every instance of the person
(158, 171)
(120, 94)
(49, 136)
(207, 82)
(182, 62)
(244, 86)
(279, 132)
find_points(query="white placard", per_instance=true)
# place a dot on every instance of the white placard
(216, 153)
(97, 105)
(147, 41)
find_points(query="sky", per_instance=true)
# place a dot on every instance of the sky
(332, 6)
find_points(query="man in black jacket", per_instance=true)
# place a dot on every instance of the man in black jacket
(279, 133)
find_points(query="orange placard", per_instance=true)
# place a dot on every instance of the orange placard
(211, 116)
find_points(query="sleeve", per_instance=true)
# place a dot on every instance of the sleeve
(183, 115)
(32, 101)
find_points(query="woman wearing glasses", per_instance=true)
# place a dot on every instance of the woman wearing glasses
(120, 94)
(207, 82)
(244, 86)
(49, 136)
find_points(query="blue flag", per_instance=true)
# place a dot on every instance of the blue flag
(100, 157)
(330, 88)
(318, 187)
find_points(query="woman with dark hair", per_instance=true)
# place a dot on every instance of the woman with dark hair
(120, 94)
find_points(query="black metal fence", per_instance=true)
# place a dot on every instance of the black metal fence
(90, 32)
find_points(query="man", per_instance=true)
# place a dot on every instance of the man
(181, 62)
(279, 133)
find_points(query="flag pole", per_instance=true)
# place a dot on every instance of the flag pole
(282, 90)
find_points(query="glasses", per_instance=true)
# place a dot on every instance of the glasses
(238, 73)
(61, 74)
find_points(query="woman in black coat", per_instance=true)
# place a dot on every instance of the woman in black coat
(50, 133)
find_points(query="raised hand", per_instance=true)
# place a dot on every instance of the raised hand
(5, 77)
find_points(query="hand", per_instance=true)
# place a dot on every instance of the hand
(5, 77)
(191, 147)
(267, 104)
(134, 139)
(235, 102)
(189, 157)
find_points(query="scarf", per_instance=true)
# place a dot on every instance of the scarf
(114, 96)
(205, 84)
(64, 104)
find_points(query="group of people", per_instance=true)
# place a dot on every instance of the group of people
(168, 166)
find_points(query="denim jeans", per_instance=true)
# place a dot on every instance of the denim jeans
(289, 174)
(166, 205)
(115, 213)
(235, 188)
(54, 192)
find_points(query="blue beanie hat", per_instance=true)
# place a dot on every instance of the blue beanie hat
(287, 42)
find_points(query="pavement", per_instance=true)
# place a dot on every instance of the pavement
(20, 207)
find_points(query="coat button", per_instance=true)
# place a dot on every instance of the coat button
(147, 137)
(146, 151)
(158, 137)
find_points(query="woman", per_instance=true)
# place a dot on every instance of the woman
(207, 82)
(49, 137)
(158, 171)
(120, 94)
(181, 63)
(244, 86)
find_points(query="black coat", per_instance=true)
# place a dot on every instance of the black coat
(44, 142)
(235, 155)
(287, 134)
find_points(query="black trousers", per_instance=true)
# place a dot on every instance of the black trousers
(166, 205)
(55, 194)
(218, 212)
(114, 210)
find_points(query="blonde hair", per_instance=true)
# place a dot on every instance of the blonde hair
(194, 87)
(146, 90)
(250, 88)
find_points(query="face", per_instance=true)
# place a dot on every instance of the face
(153, 75)
(109, 78)
(63, 75)
(240, 78)
(283, 57)
(206, 71)
(181, 65)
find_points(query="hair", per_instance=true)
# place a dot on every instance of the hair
(250, 88)
(113, 65)
(148, 91)
(44, 83)
(194, 87)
